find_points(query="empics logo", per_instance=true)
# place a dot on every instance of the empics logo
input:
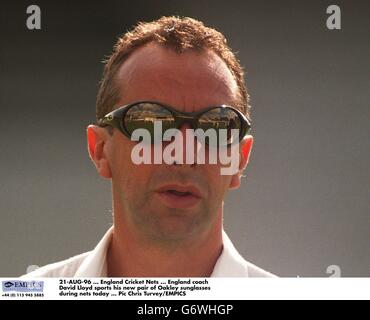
(8, 284)
(23, 286)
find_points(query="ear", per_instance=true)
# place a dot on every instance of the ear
(244, 153)
(97, 138)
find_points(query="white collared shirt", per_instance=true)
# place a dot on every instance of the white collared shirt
(94, 263)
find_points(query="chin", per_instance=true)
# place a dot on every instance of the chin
(177, 229)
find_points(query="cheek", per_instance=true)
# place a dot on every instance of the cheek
(121, 165)
(218, 183)
(127, 176)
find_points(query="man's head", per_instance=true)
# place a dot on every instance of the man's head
(177, 34)
(183, 64)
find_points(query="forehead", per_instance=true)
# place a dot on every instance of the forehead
(188, 81)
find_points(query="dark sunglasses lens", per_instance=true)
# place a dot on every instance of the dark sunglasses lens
(222, 120)
(143, 116)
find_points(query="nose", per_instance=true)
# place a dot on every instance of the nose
(189, 145)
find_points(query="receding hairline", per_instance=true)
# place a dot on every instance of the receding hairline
(215, 64)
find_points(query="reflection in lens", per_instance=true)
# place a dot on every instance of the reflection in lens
(143, 116)
(221, 119)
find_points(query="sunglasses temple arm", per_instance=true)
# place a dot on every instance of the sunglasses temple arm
(114, 122)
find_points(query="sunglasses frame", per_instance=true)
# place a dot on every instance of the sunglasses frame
(115, 118)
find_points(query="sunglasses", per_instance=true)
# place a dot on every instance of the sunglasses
(143, 114)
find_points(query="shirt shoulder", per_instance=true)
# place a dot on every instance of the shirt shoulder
(232, 264)
(254, 271)
(66, 268)
(88, 264)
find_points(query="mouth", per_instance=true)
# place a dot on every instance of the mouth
(180, 197)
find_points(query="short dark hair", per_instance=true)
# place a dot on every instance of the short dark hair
(178, 34)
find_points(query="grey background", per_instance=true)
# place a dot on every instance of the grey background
(304, 203)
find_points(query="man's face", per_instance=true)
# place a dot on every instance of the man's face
(142, 193)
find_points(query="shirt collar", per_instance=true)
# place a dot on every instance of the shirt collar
(95, 264)
(229, 264)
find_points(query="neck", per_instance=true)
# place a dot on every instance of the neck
(130, 255)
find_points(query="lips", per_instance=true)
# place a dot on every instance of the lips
(179, 196)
